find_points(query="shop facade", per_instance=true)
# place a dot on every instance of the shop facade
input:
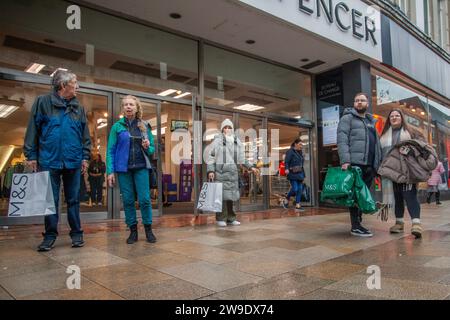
(189, 82)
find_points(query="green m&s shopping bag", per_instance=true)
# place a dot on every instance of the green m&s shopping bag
(338, 184)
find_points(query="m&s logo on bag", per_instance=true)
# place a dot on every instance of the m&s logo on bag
(330, 187)
(202, 196)
(18, 193)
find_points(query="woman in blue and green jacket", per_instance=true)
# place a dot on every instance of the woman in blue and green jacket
(130, 145)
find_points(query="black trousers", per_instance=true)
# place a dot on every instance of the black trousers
(406, 193)
(368, 173)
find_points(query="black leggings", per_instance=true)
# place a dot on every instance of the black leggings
(406, 192)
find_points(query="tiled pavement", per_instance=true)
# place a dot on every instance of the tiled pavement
(290, 257)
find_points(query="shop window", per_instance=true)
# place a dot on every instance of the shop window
(240, 83)
(440, 133)
(106, 50)
(387, 95)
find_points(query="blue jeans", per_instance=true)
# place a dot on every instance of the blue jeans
(71, 182)
(296, 190)
(135, 180)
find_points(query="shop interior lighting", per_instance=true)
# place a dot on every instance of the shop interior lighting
(248, 107)
(6, 110)
(298, 117)
(182, 95)
(413, 110)
(35, 68)
(63, 69)
(422, 113)
(167, 92)
(281, 148)
(163, 131)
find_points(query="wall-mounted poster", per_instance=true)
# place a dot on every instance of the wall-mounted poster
(330, 121)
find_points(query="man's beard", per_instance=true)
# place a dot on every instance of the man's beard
(362, 111)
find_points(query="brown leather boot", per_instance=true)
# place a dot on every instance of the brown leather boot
(397, 228)
(416, 230)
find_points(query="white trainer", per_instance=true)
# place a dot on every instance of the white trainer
(221, 224)
(234, 223)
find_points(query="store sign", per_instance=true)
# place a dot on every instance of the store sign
(351, 23)
(179, 124)
(329, 90)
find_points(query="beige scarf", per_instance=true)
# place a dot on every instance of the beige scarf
(386, 184)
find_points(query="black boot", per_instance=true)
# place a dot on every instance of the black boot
(429, 197)
(149, 234)
(438, 196)
(133, 234)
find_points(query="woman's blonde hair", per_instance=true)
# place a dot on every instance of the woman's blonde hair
(139, 111)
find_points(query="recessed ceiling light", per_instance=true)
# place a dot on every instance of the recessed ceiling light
(250, 41)
(175, 15)
(57, 69)
(49, 40)
(248, 107)
(304, 60)
(167, 92)
(182, 95)
(6, 110)
(35, 68)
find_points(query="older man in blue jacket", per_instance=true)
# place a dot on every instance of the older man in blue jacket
(57, 140)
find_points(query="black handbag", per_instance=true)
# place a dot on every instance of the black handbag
(306, 193)
(153, 180)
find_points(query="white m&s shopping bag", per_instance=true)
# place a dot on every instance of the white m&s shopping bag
(210, 198)
(31, 195)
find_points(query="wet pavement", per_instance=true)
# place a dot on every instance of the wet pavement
(289, 256)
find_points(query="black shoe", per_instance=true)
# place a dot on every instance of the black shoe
(133, 234)
(149, 234)
(360, 232)
(167, 204)
(46, 245)
(77, 241)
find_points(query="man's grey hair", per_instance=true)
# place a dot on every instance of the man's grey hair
(62, 77)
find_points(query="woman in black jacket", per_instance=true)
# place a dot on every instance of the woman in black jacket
(295, 173)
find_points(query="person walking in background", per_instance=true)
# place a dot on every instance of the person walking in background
(130, 146)
(295, 173)
(57, 140)
(97, 169)
(359, 145)
(433, 183)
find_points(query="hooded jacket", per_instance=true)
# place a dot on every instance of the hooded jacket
(353, 139)
(221, 160)
(57, 135)
(410, 161)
